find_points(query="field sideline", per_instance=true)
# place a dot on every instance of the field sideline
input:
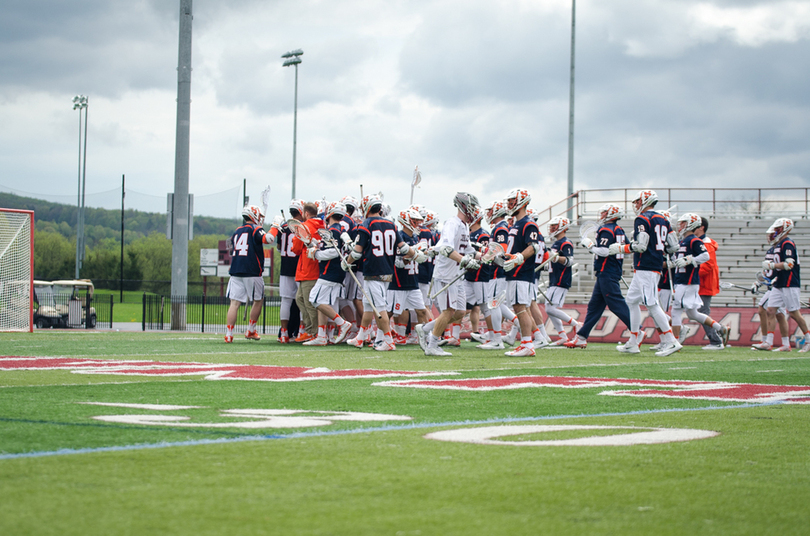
(179, 433)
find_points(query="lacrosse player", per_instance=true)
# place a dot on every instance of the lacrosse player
(652, 237)
(247, 265)
(787, 281)
(559, 278)
(403, 292)
(691, 253)
(608, 271)
(477, 283)
(282, 238)
(768, 320)
(351, 306)
(328, 290)
(455, 254)
(306, 274)
(427, 234)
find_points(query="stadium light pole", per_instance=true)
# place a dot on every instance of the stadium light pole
(80, 103)
(571, 114)
(294, 58)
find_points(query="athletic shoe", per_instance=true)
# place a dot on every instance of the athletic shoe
(724, 335)
(253, 336)
(641, 335)
(762, 346)
(450, 341)
(669, 349)
(435, 350)
(228, 338)
(576, 343)
(342, 332)
(419, 329)
(684, 334)
(542, 343)
(713, 347)
(317, 341)
(576, 326)
(631, 349)
(284, 339)
(509, 338)
(781, 349)
(399, 339)
(384, 346)
(658, 346)
(491, 345)
(524, 350)
(804, 348)
(356, 342)
(559, 342)
(412, 338)
(478, 337)
(304, 337)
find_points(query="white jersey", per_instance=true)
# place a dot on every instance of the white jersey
(456, 234)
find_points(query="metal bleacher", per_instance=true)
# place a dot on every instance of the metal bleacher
(738, 226)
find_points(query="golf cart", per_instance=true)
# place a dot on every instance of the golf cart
(63, 303)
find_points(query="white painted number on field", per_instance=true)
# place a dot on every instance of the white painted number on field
(248, 418)
(644, 436)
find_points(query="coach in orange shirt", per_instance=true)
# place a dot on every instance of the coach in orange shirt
(306, 274)
(709, 283)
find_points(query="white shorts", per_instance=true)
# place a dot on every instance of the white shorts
(378, 292)
(789, 298)
(556, 296)
(475, 291)
(764, 302)
(400, 301)
(326, 293)
(353, 292)
(643, 288)
(521, 292)
(287, 286)
(423, 288)
(665, 298)
(686, 297)
(453, 298)
(244, 289)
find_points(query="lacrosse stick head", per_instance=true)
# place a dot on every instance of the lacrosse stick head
(497, 300)
(493, 251)
(762, 279)
(588, 230)
(417, 177)
(300, 230)
(265, 197)
(725, 285)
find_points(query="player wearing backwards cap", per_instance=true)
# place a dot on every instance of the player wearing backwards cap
(454, 253)
(608, 271)
(522, 249)
(686, 277)
(652, 239)
(559, 277)
(247, 264)
(377, 244)
(787, 281)
(328, 289)
(403, 292)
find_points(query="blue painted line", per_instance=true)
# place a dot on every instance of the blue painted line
(121, 426)
(389, 428)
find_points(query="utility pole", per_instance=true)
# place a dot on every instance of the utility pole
(571, 115)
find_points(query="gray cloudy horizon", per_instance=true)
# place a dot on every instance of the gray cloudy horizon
(669, 93)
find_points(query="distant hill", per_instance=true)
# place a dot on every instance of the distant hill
(101, 224)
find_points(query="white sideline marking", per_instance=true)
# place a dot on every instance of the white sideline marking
(389, 428)
(156, 407)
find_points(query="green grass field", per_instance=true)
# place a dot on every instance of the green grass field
(147, 444)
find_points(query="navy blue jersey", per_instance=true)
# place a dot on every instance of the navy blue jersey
(330, 270)
(657, 227)
(786, 249)
(378, 238)
(559, 275)
(426, 268)
(484, 273)
(610, 266)
(406, 276)
(770, 274)
(521, 235)
(500, 234)
(688, 275)
(247, 259)
(289, 260)
(663, 281)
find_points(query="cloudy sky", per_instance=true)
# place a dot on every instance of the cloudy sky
(669, 93)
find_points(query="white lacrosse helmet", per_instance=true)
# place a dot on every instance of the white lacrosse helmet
(533, 214)
(431, 220)
(321, 206)
(779, 230)
(516, 199)
(410, 219)
(297, 205)
(558, 225)
(608, 213)
(645, 199)
(350, 201)
(335, 207)
(688, 223)
(420, 209)
(496, 210)
(370, 201)
(467, 204)
(254, 214)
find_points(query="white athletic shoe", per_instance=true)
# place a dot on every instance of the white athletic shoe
(805, 348)
(419, 328)
(724, 335)
(384, 346)
(342, 332)
(713, 347)
(656, 347)
(317, 341)
(669, 349)
(559, 342)
(492, 345)
(628, 349)
(413, 338)
(523, 350)
(684, 334)
(435, 350)
(477, 337)
(509, 338)
(541, 343)
(781, 349)
(762, 346)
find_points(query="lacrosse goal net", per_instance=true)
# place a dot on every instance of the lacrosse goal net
(16, 270)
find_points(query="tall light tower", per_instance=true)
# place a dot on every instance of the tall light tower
(571, 114)
(294, 58)
(80, 103)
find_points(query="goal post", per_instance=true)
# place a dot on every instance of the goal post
(16, 270)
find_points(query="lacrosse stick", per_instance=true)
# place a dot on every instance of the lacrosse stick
(588, 230)
(763, 280)
(726, 285)
(493, 251)
(497, 300)
(265, 199)
(330, 241)
(300, 230)
(625, 283)
(540, 286)
(551, 258)
(417, 178)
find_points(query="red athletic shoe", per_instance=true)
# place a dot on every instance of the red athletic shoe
(304, 337)
(228, 338)
(253, 336)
